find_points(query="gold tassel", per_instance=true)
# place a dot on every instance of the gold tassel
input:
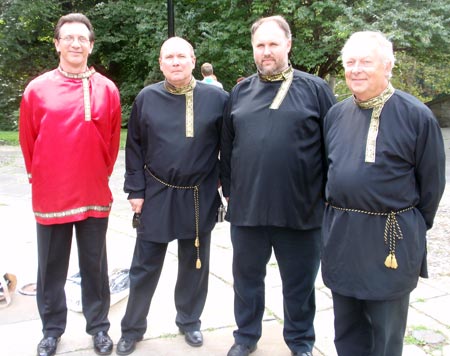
(391, 261)
(198, 264)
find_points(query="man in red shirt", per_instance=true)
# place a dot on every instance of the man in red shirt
(69, 134)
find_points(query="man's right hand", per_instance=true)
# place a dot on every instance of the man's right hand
(136, 205)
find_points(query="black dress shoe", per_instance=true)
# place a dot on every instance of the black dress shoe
(47, 346)
(103, 344)
(301, 353)
(193, 338)
(241, 350)
(126, 345)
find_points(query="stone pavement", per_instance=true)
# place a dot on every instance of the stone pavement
(428, 330)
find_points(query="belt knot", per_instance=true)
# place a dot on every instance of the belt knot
(392, 230)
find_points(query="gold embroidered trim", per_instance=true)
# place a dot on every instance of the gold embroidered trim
(277, 77)
(87, 100)
(392, 231)
(86, 96)
(196, 189)
(71, 212)
(188, 92)
(190, 114)
(377, 105)
(180, 91)
(286, 76)
(282, 91)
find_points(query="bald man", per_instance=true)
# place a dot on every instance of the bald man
(172, 176)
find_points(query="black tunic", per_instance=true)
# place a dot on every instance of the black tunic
(157, 138)
(272, 160)
(409, 171)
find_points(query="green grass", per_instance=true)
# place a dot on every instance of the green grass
(11, 138)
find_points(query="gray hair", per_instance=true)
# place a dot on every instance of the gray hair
(385, 47)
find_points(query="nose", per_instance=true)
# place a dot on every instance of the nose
(76, 42)
(357, 67)
(266, 51)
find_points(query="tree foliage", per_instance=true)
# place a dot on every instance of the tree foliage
(129, 34)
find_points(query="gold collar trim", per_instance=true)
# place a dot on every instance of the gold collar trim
(277, 77)
(377, 105)
(180, 91)
(378, 100)
(84, 75)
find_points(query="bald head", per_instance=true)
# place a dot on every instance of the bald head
(177, 61)
(179, 44)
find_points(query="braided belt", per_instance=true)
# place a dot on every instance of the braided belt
(392, 231)
(195, 188)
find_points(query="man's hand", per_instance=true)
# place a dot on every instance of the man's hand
(136, 205)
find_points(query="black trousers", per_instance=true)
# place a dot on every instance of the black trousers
(369, 328)
(190, 290)
(297, 254)
(54, 244)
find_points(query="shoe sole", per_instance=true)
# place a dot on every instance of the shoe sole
(192, 344)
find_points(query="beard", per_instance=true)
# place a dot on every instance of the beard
(275, 68)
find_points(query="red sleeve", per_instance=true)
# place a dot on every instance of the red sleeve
(27, 132)
(116, 119)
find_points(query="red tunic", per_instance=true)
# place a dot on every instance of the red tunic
(69, 159)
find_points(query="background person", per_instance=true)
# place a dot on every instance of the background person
(273, 174)
(208, 75)
(385, 179)
(69, 131)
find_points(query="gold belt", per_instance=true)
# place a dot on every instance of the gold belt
(392, 231)
(195, 188)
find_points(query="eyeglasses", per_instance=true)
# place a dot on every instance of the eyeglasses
(70, 39)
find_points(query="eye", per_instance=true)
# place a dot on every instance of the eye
(83, 40)
(349, 63)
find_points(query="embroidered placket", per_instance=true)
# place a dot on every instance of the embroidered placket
(188, 92)
(377, 105)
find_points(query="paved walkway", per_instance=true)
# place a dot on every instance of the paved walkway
(20, 327)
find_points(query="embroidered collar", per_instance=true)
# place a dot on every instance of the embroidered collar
(378, 100)
(277, 77)
(84, 75)
(180, 91)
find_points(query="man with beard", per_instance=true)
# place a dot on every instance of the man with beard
(273, 176)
